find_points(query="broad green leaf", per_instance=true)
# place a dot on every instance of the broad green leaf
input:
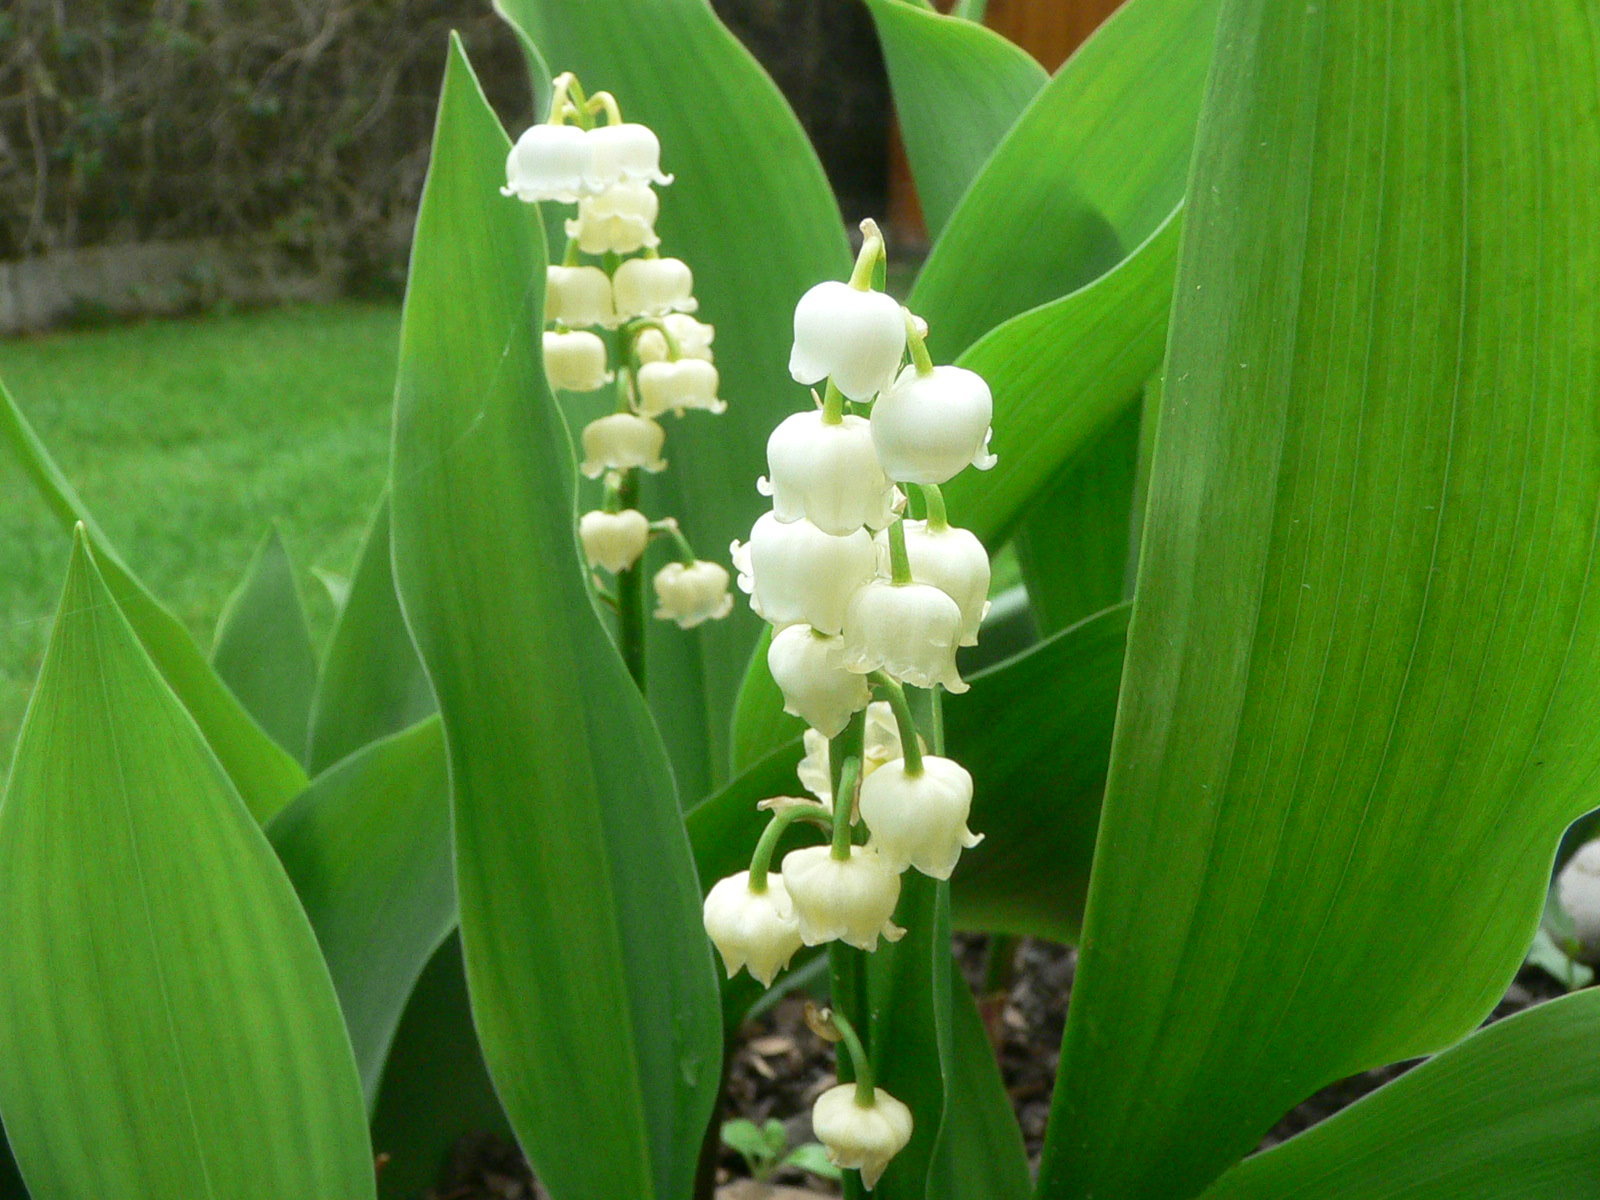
(1358, 708)
(367, 847)
(980, 1151)
(372, 683)
(752, 214)
(1062, 375)
(958, 88)
(263, 650)
(1509, 1114)
(1091, 168)
(1074, 540)
(266, 775)
(166, 1023)
(436, 1089)
(591, 980)
(1035, 732)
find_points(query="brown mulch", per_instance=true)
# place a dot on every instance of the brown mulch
(781, 1067)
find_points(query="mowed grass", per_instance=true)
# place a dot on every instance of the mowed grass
(187, 439)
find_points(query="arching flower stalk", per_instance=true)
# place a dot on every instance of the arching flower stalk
(863, 603)
(620, 321)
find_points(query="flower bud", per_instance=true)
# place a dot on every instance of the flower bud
(828, 474)
(909, 630)
(795, 573)
(928, 427)
(625, 153)
(684, 384)
(864, 1137)
(575, 361)
(853, 337)
(850, 899)
(750, 929)
(920, 820)
(613, 540)
(693, 338)
(578, 296)
(952, 560)
(881, 745)
(809, 670)
(621, 442)
(1578, 890)
(619, 220)
(693, 593)
(653, 287)
(548, 162)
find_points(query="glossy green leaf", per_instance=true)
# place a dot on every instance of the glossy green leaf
(980, 1151)
(367, 847)
(166, 1023)
(1074, 541)
(1094, 164)
(1359, 702)
(436, 1089)
(1035, 732)
(263, 650)
(372, 684)
(266, 775)
(1062, 374)
(958, 87)
(591, 980)
(752, 214)
(1509, 1114)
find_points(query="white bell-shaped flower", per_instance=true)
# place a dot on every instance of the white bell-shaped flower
(928, 427)
(578, 296)
(619, 220)
(625, 153)
(795, 573)
(653, 287)
(952, 560)
(575, 361)
(828, 474)
(693, 338)
(881, 744)
(613, 540)
(909, 630)
(851, 900)
(676, 386)
(808, 668)
(920, 820)
(750, 929)
(549, 162)
(693, 593)
(863, 1137)
(620, 442)
(853, 337)
(1578, 890)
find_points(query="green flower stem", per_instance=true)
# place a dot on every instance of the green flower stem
(638, 325)
(570, 256)
(910, 748)
(871, 253)
(843, 802)
(899, 560)
(919, 348)
(630, 595)
(561, 85)
(933, 502)
(761, 860)
(616, 483)
(859, 1059)
(607, 102)
(669, 526)
(832, 405)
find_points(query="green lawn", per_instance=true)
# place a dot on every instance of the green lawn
(187, 439)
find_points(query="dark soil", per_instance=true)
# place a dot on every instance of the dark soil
(781, 1067)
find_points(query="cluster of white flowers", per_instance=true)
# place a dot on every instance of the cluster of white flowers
(862, 600)
(623, 323)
